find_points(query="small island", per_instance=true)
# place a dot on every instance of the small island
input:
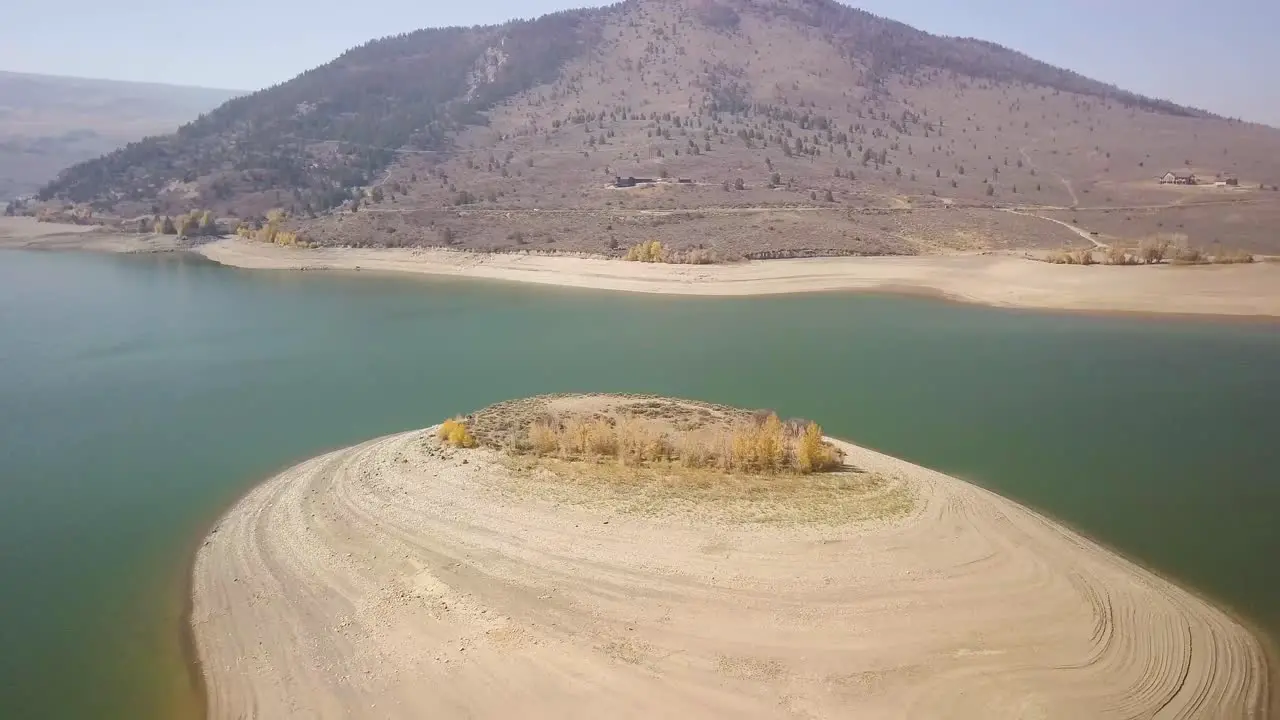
(588, 556)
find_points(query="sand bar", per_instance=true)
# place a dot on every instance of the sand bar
(397, 579)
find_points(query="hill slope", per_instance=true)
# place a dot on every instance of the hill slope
(48, 123)
(801, 125)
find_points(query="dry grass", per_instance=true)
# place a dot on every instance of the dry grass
(1187, 255)
(666, 489)
(657, 456)
(762, 445)
(1233, 257)
(454, 432)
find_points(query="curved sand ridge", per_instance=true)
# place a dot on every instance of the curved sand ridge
(398, 579)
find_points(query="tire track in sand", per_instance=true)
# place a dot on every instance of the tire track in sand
(399, 579)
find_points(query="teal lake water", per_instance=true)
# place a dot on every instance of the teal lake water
(139, 395)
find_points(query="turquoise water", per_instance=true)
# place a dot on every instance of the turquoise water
(139, 395)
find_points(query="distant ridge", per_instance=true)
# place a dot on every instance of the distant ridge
(756, 102)
(48, 122)
(9, 75)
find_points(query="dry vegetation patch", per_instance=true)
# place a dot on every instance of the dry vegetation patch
(654, 252)
(640, 431)
(1072, 257)
(837, 498)
(1156, 249)
(649, 455)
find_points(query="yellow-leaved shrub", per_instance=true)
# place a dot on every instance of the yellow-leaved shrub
(762, 445)
(813, 454)
(272, 231)
(650, 252)
(454, 432)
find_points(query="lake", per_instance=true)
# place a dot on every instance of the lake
(139, 395)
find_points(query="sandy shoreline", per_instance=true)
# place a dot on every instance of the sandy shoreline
(394, 579)
(999, 280)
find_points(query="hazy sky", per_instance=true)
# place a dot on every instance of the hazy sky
(1196, 52)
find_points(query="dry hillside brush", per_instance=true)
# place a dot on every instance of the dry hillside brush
(779, 126)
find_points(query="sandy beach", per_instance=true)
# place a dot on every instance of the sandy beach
(988, 279)
(18, 233)
(399, 578)
(1002, 280)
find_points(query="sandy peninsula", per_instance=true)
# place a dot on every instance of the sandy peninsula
(996, 279)
(401, 578)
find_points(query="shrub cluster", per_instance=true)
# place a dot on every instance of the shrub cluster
(1152, 250)
(192, 224)
(1116, 255)
(271, 231)
(454, 432)
(654, 252)
(1072, 257)
(1187, 255)
(763, 445)
(1232, 257)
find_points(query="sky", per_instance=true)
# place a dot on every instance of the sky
(1195, 52)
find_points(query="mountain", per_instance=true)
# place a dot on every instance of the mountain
(799, 125)
(48, 123)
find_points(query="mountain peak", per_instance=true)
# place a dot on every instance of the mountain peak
(757, 103)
